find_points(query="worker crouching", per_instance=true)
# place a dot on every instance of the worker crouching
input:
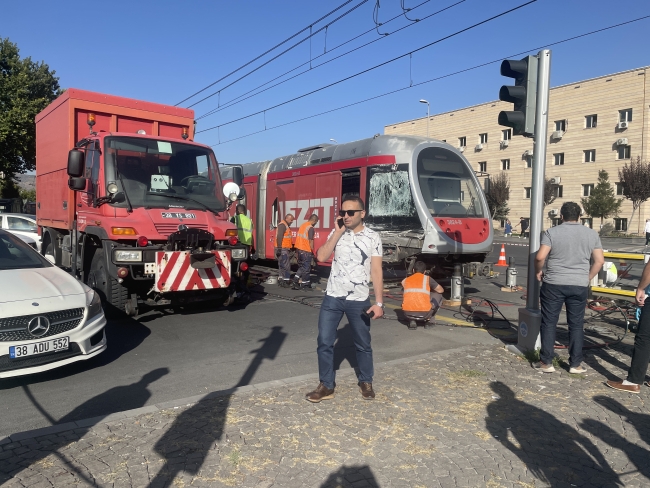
(422, 297)
(305, 247)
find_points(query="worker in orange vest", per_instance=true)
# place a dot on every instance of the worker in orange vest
(283, 245)
(422, 297)
(305, 248)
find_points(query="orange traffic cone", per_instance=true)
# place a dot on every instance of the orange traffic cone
(502, 257)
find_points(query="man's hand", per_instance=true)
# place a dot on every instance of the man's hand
(378, 311)
(640, 296)
(540, 275)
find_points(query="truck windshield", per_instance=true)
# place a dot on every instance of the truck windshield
(447, 185)
(163, 174)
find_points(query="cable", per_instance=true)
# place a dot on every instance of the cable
(279, 55)
(244, 96)
(370, 69)
(431, 80)
(266, 52)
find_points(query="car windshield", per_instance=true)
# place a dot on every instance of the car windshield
(447, 185)
(15, 254)
(163, 174)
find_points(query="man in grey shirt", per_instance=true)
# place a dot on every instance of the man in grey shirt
(569, 248)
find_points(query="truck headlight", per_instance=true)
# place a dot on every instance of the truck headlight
(93, 303)
(239, 253)
(127, 255)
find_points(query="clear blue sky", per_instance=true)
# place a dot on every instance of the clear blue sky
(164, 51)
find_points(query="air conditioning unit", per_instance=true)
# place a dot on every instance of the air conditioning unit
(555, 211)
(555, 181)
(504, 144)
(622, 125)
(528, 153)
(622, 141)
(478, 147)
(461, 148)
(557, 135)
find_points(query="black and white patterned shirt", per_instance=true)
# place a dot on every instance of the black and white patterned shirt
(350, 273)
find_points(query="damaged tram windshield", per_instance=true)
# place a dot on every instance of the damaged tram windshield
(161, 174)
(390, 202)
(447, 185)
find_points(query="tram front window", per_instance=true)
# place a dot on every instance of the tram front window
(390, 203)
(447, 185)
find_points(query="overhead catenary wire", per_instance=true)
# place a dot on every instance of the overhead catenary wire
(465, 70)
(247, 95)
(280, 54)
(494, 17)
(267, 51)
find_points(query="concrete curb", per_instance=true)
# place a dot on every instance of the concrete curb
(127, 414)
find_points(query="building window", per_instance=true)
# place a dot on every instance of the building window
(623, 152)
(529, 161)
(482, 138)
(625, 115)
(505, 164)
(588, 222)
(482, 167)
(462, 141)
(559, 191)
(527, 193)
(506, 135)
(559, 159)
(556, 221)
(560, 125)
(587, 189)
(590, 121)
(620, 224)
(590, 156)
(619, 188)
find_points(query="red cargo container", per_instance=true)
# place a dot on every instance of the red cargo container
(130, 203)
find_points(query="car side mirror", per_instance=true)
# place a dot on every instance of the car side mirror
(238, 175)
(77, 184)
(76, 163)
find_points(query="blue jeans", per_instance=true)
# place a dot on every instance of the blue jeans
(641, 353)
(304, 266)
(331, 313)
(552, 297)
(285, 264)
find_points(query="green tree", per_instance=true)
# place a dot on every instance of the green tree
(29, 195)
(9, 188)
(498, 195)
(635, 179)
(602, 202)
(26, 88)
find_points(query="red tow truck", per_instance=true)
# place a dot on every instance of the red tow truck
(131, 205)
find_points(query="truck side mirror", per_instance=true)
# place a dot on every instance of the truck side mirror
(242, 194)
(238, 175)
(75, 163)
(77, 184)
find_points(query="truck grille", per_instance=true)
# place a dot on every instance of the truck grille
(15, 328)
(166, 229)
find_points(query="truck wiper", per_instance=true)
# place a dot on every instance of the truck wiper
(126, 195)
(186, 199)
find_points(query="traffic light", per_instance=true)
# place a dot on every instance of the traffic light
(523, 95)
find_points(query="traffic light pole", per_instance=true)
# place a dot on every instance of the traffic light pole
(530, 318)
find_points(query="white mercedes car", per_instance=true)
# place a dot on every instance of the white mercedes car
(21, 224)
(47, 318)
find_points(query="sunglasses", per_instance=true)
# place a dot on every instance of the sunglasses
(350, 213)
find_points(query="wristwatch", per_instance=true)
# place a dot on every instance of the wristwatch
(380, 305)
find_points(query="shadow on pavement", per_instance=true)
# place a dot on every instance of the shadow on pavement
(553, 451)
(185, 445)
(350, 476)
(640, 421)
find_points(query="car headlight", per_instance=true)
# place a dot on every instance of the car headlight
(239, 253)
(127, 255)
(93, 303)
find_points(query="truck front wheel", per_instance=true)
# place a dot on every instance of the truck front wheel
(114, 295)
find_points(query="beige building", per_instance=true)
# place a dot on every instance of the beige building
(593, 124)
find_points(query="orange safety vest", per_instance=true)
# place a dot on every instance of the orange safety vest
(302, 238)
(417, 296)
(286, 238)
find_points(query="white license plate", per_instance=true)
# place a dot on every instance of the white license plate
(53, 345)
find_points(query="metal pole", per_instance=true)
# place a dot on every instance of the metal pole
(539, 167)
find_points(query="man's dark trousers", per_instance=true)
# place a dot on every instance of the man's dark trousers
(647, 238)
(304, 266)
(331, 313)
(552, 297)
(285, 264)
(641, 354)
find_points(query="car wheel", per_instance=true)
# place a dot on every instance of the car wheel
(114, 295)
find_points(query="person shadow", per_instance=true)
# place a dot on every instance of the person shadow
(349, 476)
(553, 451)
(185, 445)
(639, 455)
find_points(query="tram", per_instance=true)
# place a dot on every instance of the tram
(421, 195)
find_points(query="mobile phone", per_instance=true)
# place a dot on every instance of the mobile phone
(370, 314)
(339, 223)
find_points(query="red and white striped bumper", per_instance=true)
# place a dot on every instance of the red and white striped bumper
(174, 273)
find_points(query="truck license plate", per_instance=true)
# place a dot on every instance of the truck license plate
(60, 344)
(178, 215)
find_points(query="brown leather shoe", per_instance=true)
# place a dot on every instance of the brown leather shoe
(618, 385)
(320, 393)
(367, 393)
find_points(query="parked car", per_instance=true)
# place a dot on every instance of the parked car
(22, 224)
(47, 318)
(27, 240)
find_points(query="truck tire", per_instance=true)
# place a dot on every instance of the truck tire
(48, 250)
(114, 295)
